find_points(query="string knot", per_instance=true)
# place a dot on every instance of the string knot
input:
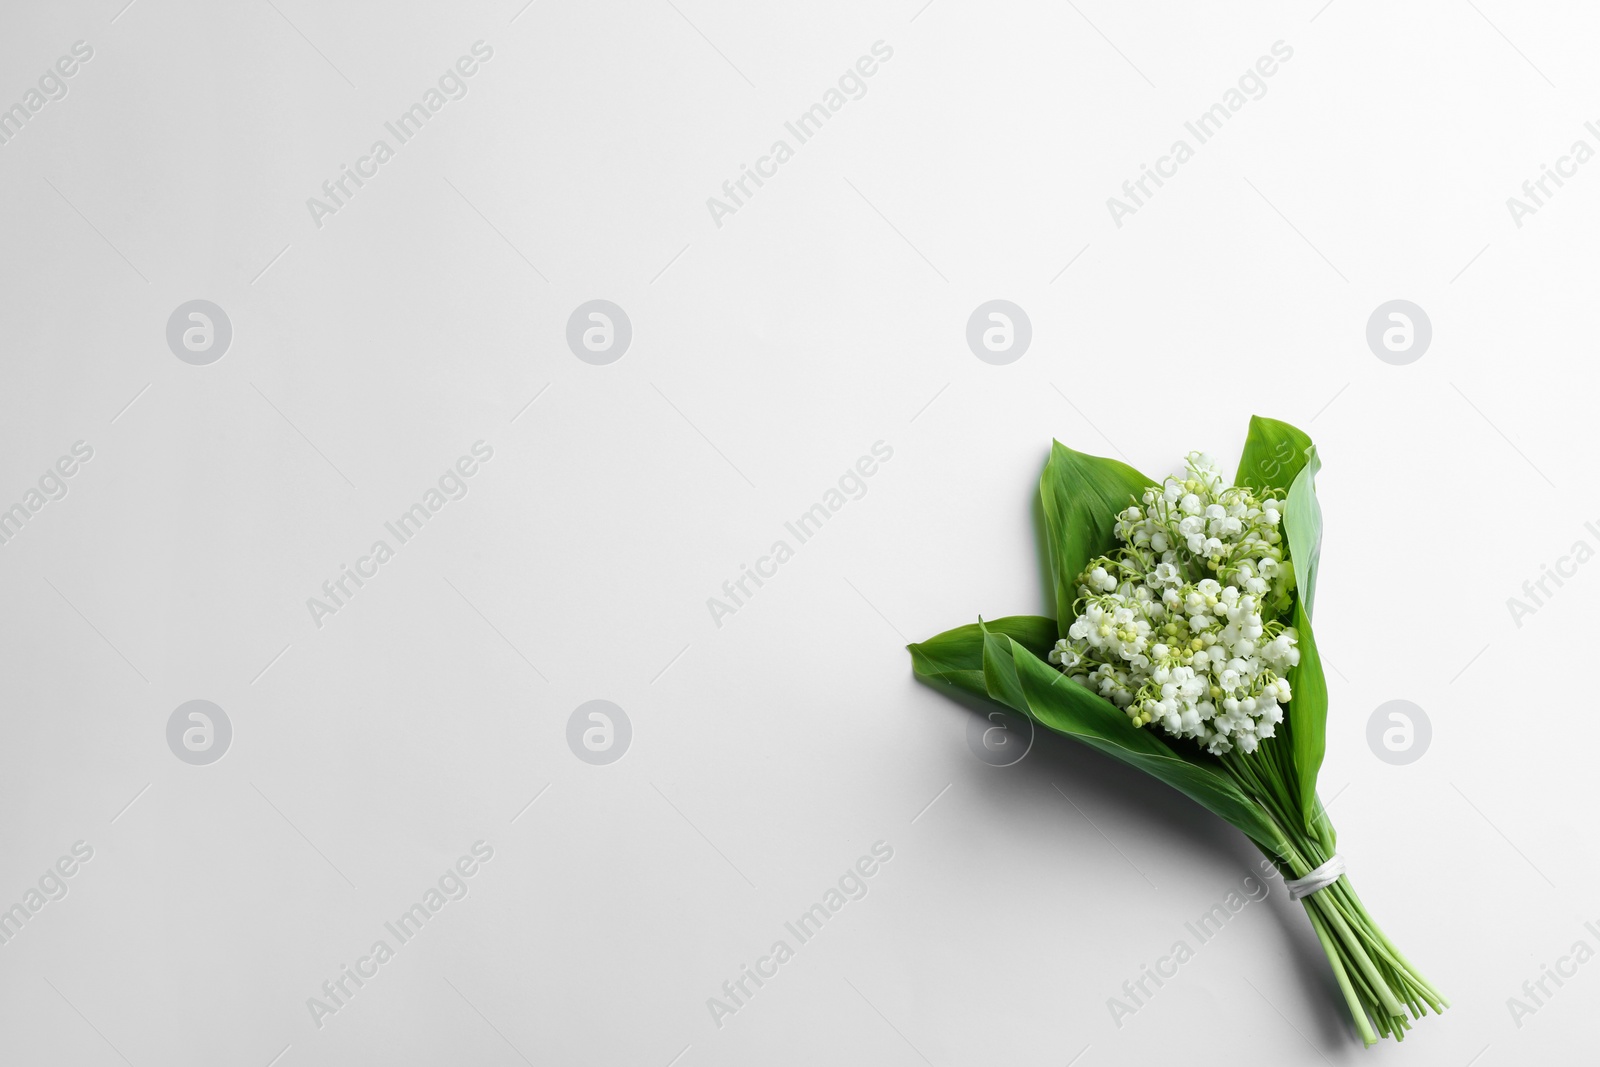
(1321, 878)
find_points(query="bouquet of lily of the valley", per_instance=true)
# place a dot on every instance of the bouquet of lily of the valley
(1183, 647)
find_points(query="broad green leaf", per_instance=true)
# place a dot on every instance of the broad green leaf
(1273, 454)
(1308, 718)
(955, 657)
(1308, 709)
(1070, 709)
(1082, 495)
(1021, 680)
(1276, 455)
(1302, 519)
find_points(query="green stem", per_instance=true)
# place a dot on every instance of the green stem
(1358, 954)
(1352, 1001)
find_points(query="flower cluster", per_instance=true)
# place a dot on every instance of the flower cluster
(1183, 625)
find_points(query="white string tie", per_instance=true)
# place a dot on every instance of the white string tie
(1321, 878)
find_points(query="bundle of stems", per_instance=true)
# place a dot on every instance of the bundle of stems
(1383, 990)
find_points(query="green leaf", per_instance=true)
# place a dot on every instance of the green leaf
(1308, 718)
(1302, 520)
(1278, 455)
(1273, 454)
(1021, 680)
(1082, 495)
(1308, 709)
(955, 657)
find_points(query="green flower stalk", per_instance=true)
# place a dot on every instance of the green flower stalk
(1183, 646)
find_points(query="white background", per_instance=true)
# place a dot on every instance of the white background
(768, 354)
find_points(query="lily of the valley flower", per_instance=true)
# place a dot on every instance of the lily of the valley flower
(1185, 626)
